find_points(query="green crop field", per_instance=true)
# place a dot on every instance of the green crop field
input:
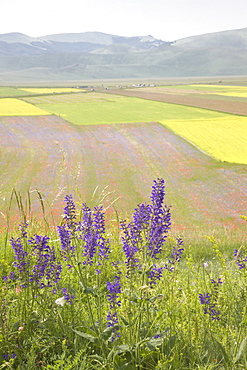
(11, 92)
(221, 135)
(100, 108)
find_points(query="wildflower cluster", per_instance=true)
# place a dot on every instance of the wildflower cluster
(146, 234)
(175, 256)
(90, 229)
(39, 266)
(240, 259)
(209, 300)
(114, 289)
(46, 271)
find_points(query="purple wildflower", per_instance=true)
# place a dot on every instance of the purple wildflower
(240, 260)
(175, 256)
(210, 301)
(46, 272)
(114, 290)
(21, 256)
(160, 219)
(92, 230)
(99, 225)
(204, 298)
(68, 297)
(148, 230)
(155, 274)
(67, 247)
(23, 228)
(130, 239)
(157, 196)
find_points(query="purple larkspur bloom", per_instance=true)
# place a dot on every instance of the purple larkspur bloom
(68, 297)
(23, 228)
(204, 298)
(160, 219)
(66, 240)
(209, 306)
(175, 255)
(114, 290)
(240, 259)
(46, 271)
(21, 256)
(130, 239)
(92, 229)
(148, 230)
(155, 274)
(99, 225)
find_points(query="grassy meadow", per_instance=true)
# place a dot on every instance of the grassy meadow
(97, 270)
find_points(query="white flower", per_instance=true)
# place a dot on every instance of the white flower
(205, 264)
(60, 301)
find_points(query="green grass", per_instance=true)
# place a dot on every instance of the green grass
(100, 108)
(11, 92)
(158, 319)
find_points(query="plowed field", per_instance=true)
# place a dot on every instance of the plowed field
(234, 107)
(49, 154)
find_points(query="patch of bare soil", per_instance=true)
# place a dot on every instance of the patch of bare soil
(233, 107)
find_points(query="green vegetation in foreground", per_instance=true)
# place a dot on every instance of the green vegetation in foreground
(89, 298)
(100, 108)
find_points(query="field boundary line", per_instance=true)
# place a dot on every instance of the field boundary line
(230, 107)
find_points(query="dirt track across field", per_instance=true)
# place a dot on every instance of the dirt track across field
(233, 107)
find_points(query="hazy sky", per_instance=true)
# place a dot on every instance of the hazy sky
(168, 20)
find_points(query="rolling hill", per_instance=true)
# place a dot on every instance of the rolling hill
(95, 55)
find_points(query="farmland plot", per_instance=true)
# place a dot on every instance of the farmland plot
(100, 108)
(49, 154)
(16, 107)
(221, 135)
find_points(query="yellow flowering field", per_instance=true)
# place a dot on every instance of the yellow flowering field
(16, 107)
(224, 138)
(50, 90)
(238, 91)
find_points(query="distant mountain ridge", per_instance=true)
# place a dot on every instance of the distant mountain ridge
(96, 55)
(20, 44)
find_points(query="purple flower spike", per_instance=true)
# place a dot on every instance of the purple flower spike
(21, 256)
(155, 274)
(114, 289)
(240, 259)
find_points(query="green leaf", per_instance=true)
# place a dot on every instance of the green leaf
(85, 335)
(89, 291)
(153, 343)
(123, 348)
(242, 350)
(223, 351)
(107, 333)
(127, 366)
(126, 323)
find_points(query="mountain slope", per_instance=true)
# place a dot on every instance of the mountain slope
(95, 55)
